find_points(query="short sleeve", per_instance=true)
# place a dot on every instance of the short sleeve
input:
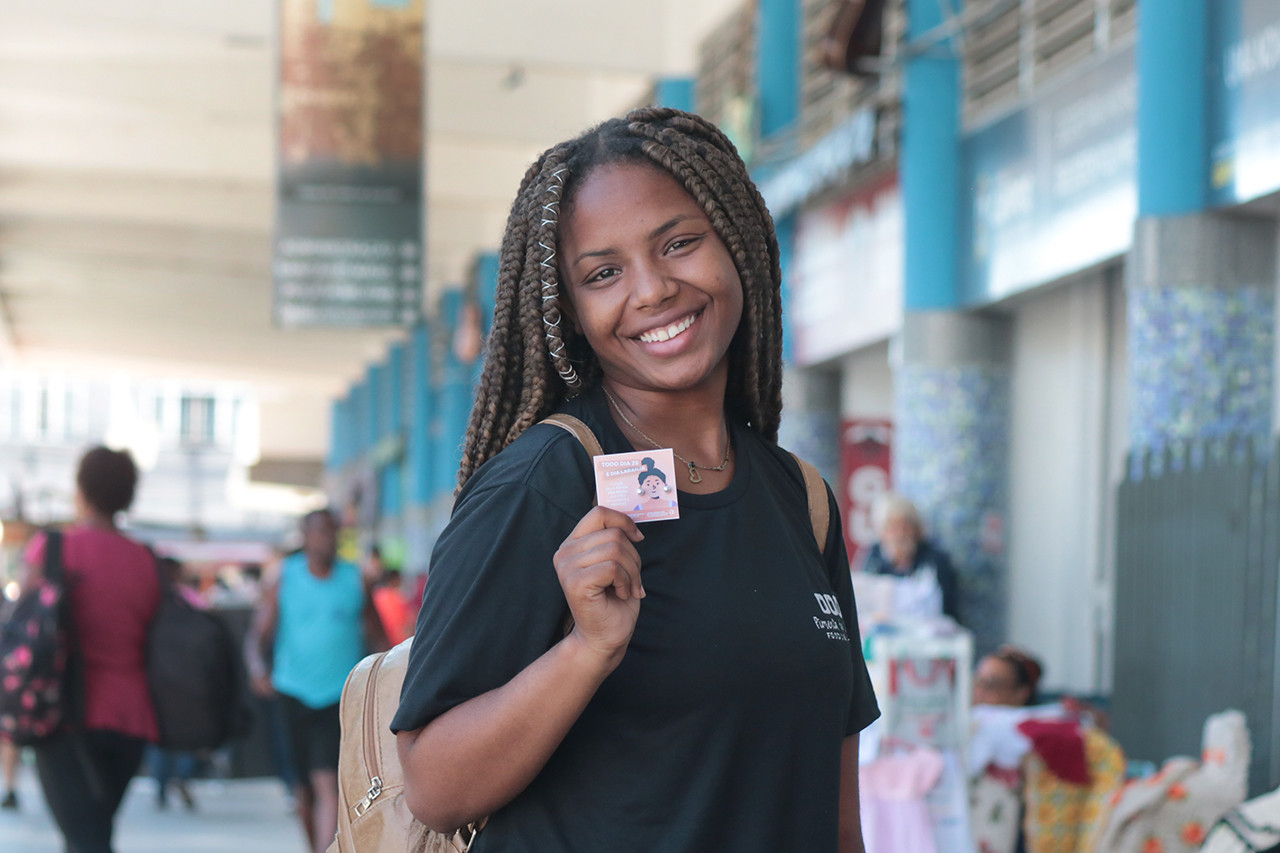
(864, 709)
(492, 603)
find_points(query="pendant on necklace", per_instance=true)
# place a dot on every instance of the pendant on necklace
(694, 476)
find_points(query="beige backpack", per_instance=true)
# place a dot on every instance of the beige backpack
(372, 814)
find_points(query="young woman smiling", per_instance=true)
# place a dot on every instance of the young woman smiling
(696, 704)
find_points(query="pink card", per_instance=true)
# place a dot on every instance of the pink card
(640, 484)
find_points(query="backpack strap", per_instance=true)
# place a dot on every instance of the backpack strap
(52, 569)
(819, 510)
(579, 430)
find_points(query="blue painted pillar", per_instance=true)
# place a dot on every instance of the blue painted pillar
(391, 394)
(420, 518)
(1173, 159)
(952, 383)
(778, 64)
(1200, 286)
(418, 448)
(929, 166)
(454, 406)
(373, 406)
(676, 92)
(337, 432)
(486, 288)
(361, 439)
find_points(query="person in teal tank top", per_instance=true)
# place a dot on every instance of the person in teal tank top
(317, 619)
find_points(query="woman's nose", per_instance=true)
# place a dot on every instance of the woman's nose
(652, 286)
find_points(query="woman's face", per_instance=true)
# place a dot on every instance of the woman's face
(652, 486)
(651, 286)
(996, 683)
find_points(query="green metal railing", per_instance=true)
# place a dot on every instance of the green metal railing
(1197, 552)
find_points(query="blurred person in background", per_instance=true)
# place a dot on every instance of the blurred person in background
(169, 766)
(115, 591)
(389, 600)
(927, 580)
(315, 622)
(1008, 676)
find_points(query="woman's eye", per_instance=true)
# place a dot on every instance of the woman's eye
(602, 275)
(683, 242)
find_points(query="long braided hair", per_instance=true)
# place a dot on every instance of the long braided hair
(534, 359)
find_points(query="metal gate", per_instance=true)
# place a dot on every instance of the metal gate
(1198, 544)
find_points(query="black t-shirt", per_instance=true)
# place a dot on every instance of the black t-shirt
(721, 729)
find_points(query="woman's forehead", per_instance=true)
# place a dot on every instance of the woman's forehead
(627, 194)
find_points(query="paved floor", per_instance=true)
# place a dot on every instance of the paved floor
(238, 816)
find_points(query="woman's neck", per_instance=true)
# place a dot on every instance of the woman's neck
(693, 425)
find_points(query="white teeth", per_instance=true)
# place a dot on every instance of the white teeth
(658, 335)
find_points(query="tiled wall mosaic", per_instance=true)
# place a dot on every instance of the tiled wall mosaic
(951, 459)
(1201, 363)
(814, 437)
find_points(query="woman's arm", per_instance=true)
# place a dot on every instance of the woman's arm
(850, 809)
(476, 757)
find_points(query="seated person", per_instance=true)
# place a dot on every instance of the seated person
(1009, 676)
(928, 580)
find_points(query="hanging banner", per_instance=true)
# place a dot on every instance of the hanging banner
(866, 453)
(1244, 113)
(348, 242)
(846, 278)
(1053, 186)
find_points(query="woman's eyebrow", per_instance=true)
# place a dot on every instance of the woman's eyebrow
(669, 224)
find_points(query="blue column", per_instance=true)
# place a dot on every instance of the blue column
(373, 406)
(929, 165)
(951, 408)
(455, 393)
(1173, 161)
(337, 434)
(391, 485)
(1200, 285)
(361, 438)
(420, 519)
(778, 64)
(486, 284)
(676, 92)
(418, 449)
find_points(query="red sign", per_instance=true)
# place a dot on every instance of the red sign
(866, 446)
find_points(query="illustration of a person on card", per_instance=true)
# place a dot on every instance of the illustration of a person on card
(654, 491)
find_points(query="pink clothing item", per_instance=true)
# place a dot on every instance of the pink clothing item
(895, 817)
(114, 595)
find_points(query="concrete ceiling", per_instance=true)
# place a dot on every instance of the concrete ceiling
(137, 168)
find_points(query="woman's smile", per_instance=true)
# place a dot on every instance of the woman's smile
(667, 333)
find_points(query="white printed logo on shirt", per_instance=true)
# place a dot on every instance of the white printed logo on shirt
(831, 620)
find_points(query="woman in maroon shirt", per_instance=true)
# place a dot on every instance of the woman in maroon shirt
(115, 591)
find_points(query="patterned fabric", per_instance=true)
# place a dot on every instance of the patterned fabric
(995, 807)
(1172, 811)
(1063, 817)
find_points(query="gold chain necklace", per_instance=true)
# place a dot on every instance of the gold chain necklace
(694, 476)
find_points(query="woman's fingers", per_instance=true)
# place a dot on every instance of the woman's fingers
(603, 518)
(599, 571)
